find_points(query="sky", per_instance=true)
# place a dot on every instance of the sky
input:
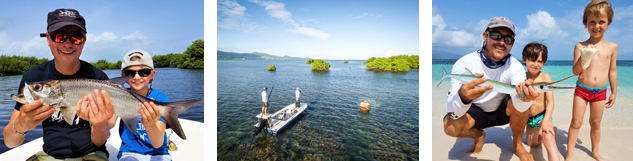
(329, 29)
(558, 24)
(114, 27)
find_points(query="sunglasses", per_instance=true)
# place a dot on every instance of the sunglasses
(142, 72)
(76, 38)
(508, 39)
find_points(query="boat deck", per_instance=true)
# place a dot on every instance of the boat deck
(283, 117)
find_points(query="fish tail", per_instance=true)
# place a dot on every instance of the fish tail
(444, 76)
(176, 108)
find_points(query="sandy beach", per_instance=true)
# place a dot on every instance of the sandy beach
(615, 142)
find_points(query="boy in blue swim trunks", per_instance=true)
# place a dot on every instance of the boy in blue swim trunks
(592, 81)
(539, 125)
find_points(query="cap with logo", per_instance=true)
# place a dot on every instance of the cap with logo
(501, 22)
(64, 17)
(146, 59)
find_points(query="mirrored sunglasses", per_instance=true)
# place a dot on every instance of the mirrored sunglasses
(76, 38)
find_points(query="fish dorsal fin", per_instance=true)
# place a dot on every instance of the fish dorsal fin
(120, 80)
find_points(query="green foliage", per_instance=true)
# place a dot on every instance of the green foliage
(104, 64)
(345, 62)
(309, 61)
(16, 65)
(394, 63)
(320, 65)
(272, 68)
(193, 57)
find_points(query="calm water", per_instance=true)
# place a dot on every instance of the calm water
(332, 127)
(177, 84)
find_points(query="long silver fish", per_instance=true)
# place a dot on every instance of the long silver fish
(63, 94)
(539, 87)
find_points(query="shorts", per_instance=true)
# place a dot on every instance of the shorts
(534, 122)
(265, 104)
(42, 156)
(590, 94)
(488, 119)
(128, 156)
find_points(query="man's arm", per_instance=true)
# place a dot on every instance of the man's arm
(26, 119)
(100, 112)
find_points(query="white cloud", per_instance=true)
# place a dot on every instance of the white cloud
(36, 46)
(451, 36)
(106, 36)
(232, 16)
(391, 53)
(541, 26)
(279, 11)
(365, 14)
(310, 32)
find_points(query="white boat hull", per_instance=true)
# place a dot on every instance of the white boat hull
(190, 149)
(280, 119)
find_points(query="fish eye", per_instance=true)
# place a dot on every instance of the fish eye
(36, 87)
(542, 86)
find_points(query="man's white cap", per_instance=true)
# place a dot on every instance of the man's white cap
(297, 88)
(146, 59)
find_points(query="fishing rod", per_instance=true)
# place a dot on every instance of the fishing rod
(271, 92)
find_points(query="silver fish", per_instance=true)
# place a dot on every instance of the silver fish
(539, 87)
(63, 94)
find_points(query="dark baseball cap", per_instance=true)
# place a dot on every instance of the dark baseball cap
(64, 17)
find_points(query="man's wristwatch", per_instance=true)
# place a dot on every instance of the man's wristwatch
(16, 132)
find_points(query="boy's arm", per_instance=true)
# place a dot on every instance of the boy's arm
(613, 77)
(549, 109)
(155, 128)
(577, 67)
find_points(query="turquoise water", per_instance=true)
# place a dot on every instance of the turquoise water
(558, 70)
(332, 127)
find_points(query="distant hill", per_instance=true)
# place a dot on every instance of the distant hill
(222, 55)
(444, 55)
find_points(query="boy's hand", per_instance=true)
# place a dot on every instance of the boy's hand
(468, 92)
(150, 114)
(609, 103)
(546, 124)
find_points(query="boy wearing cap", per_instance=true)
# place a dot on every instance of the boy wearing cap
(151, 142)
(84, 138)
(470, 108)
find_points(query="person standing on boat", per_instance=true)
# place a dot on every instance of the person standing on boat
(297, 95)
(471, 108)
(81, 139)
(264, 102)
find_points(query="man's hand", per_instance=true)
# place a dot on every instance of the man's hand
(99, 108)
(530, 93)
(31, 115)
(150, 114)
(468, 92)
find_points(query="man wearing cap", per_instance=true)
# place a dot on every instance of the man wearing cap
(264, 102)
(297, 95)
(472, 108)
(79, 139)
